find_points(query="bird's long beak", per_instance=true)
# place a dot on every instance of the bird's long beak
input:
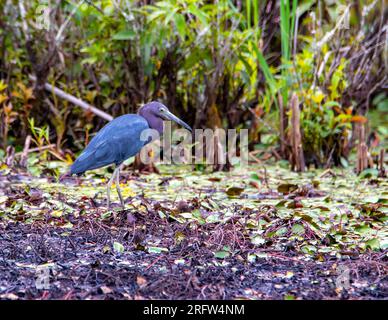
(172, 117)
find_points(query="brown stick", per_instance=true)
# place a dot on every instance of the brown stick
(283, 124)
(10, 157)
(76, 101)
(362, 151)
(36, 149)
(24, 157)
(381, 163)
(296, 136)
(216, 155)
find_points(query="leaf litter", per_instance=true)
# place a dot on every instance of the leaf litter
(270, 234)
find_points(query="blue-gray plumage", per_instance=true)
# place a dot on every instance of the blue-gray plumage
(113, 144)
(121, 139)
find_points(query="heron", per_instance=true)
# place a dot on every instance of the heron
(120, 139)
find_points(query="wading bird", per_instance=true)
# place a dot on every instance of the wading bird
(121, 139)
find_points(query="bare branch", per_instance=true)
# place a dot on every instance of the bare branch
(60, 93)
(24, 21)
(58, 38)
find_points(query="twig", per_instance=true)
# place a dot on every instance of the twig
(10, 156)
(331, 33)
(23, 16)
(36, 149)
(296, 136)
(156, 260)
(60, 93)
(24, 157)
(362, 152)
(381, 163)
(254, 158)
(330, 157)
(282, 127)
(266, 178)
(58, 38)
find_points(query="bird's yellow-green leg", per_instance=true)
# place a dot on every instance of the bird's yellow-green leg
(110, 184)
(118, 186)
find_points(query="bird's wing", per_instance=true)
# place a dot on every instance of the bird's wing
(92, 158)
(111, 146)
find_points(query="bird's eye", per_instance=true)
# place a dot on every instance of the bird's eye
(161, 110)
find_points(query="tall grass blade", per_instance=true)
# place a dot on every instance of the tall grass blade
(248, 5)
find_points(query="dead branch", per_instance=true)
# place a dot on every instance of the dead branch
(36, 149)
(10, 156)
(298, 162)
(78, 102)
(24, 156)
(283, 126)
(382, 172)
(362, 151)
(58, 37)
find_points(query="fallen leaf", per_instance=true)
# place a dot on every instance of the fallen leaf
(234, 191)
(106, 290)
(287, 188)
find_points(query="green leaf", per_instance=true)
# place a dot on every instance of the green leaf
(265, 68)
(344, 162)
(369, 173)
(298, 229)
(157, 249)
(221, 254)
(198, 13)
(180, 25)
(374, 244)
(234, 191)
(125, 35)
(118, 247)
(287, 187)
(281, 231)
(363, 230)
(90, 60)
(155, 15)
(56, 213)
(332, 104)
(196, 55)
(255, 176)
(213, 218)
(309, 249)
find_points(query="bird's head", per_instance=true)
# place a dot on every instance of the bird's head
(155, 113)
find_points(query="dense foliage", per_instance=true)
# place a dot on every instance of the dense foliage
(230, 64)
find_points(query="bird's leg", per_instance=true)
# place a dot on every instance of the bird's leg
(118, 186)
(109, 186)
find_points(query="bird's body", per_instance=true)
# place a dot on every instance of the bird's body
(121, 139)
(113, 144)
